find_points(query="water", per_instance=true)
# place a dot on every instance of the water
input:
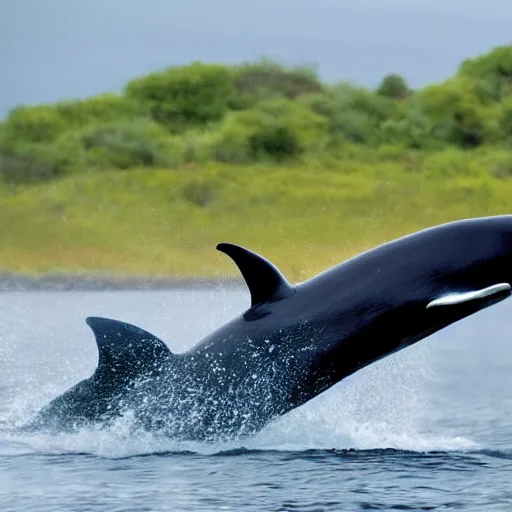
(429, 428)
(56, 49)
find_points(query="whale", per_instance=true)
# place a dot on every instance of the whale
(294, 341)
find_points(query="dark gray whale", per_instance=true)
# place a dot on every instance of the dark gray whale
(294, 342)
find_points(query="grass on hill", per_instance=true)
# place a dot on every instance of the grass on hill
(160, 222)
(148, 181)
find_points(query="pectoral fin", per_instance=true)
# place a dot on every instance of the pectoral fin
(491, 294)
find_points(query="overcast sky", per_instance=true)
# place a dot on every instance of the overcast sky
(57, 49)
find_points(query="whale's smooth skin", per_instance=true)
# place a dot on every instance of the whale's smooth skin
(294, 342)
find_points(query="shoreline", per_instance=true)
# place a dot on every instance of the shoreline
(12, 282)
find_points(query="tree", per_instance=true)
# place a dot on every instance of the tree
(181, 96)
(493, 68)
(393, 86)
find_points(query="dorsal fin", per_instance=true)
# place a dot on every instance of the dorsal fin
(126, 351)
(265, 282)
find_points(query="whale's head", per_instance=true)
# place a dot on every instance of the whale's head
(406, 290)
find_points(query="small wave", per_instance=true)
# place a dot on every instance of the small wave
(122, 439)
(495, 454)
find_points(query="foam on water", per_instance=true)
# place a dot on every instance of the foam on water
(386, 405)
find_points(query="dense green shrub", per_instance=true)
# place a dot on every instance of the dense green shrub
(353, 113)
(278, 142)
(264, 111)
(198, 146)
(393, 86)
(45, 123)
(122, 145)
(33, 162)
(101, 108)
(457, 115)
(308, 127)
(409, 127)
(187, 95)
(506, 118)
(494, 69)
(41, 123)
(268, 79)
(231, 143)
(114, 145)
(277, 129)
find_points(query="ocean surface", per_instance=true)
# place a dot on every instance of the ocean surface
(57, 49)
(429, 428)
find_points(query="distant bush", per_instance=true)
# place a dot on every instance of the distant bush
(45, 123)
(182, 96)
(393, 86)
(42, 123)
(277, 129)
(198, 146)
(231, 143)
(353, 113)
(265, 112)
(506, 118)
(101, 108)
(277, 142)
(31, 163)
(409, 127)
(457, 114)
(268, 79)
(200, 193)
(494, 69)
(115, 145)
(122, 145)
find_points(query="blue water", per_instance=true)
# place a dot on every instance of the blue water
(56, 49)
(429, 428)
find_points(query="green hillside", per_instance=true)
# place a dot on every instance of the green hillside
(308, 173)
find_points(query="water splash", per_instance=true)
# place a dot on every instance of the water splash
(384, 406)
